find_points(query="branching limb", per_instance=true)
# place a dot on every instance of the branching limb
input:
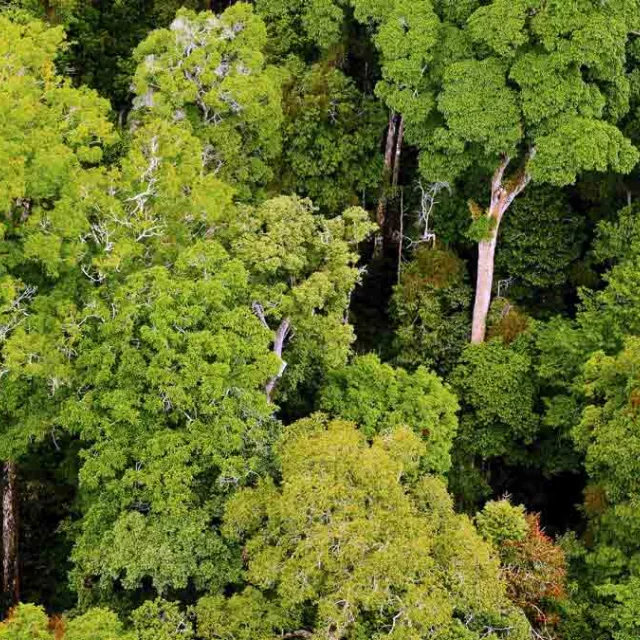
(281, 336)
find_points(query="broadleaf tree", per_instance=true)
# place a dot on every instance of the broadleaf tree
(51, 135)
(355, 544)
(537, 84)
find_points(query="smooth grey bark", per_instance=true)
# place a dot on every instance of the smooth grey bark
(502, 195)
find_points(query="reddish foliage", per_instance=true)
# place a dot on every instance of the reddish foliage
(535, 569)
(509, 325)
(56, 626)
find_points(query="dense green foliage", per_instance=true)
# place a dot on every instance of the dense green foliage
(230, 408)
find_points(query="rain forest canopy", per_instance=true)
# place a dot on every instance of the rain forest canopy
(320, 319)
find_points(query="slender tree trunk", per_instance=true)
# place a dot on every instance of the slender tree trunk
(279, 340)
(10, 565)
(50, 12)
(281, 336)
(393, 151)
(484, 284)
(501, 198)
(398, 154)
(389, 154)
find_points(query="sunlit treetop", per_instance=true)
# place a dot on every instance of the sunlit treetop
(209, 73)
(508, 78)
(380, 397)
(48, 129)
(353, 544)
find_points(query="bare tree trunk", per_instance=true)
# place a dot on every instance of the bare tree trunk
(484, 283)
(396, 162)
(10, 565)
(278, 344)
(501, 198)
(389, 153)
(50, 12)
(391, 174)
(280, 338)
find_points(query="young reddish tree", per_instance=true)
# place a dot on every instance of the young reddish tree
(533, 565)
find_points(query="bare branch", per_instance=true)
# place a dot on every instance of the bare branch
(281, 336)
(427, 203)
(259, 311)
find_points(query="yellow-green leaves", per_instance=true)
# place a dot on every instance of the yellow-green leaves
(500, 25)
(580, 144)
(343, 548)
(500, 521)
(48, 130)
(29, 622)
(480, 107)
(208, 74)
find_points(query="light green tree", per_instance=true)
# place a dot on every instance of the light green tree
(355, 543)
(50, 135)
(29, 622)
(172, 349)
(379, 398)
(209, 74)
(170, 375)
(303, 270)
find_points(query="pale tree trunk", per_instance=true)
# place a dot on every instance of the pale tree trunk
(10, 564)
(278, 345)
(501, 198)
(279, 340)
(484, 283)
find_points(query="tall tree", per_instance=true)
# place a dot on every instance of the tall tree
(606, 567)
(209, 73)
(50, 133)
(303, 270)
(169, 365)
(501, 83)
(173, 346)
(355, 544)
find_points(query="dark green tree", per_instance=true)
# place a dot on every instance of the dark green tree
(539, 83)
